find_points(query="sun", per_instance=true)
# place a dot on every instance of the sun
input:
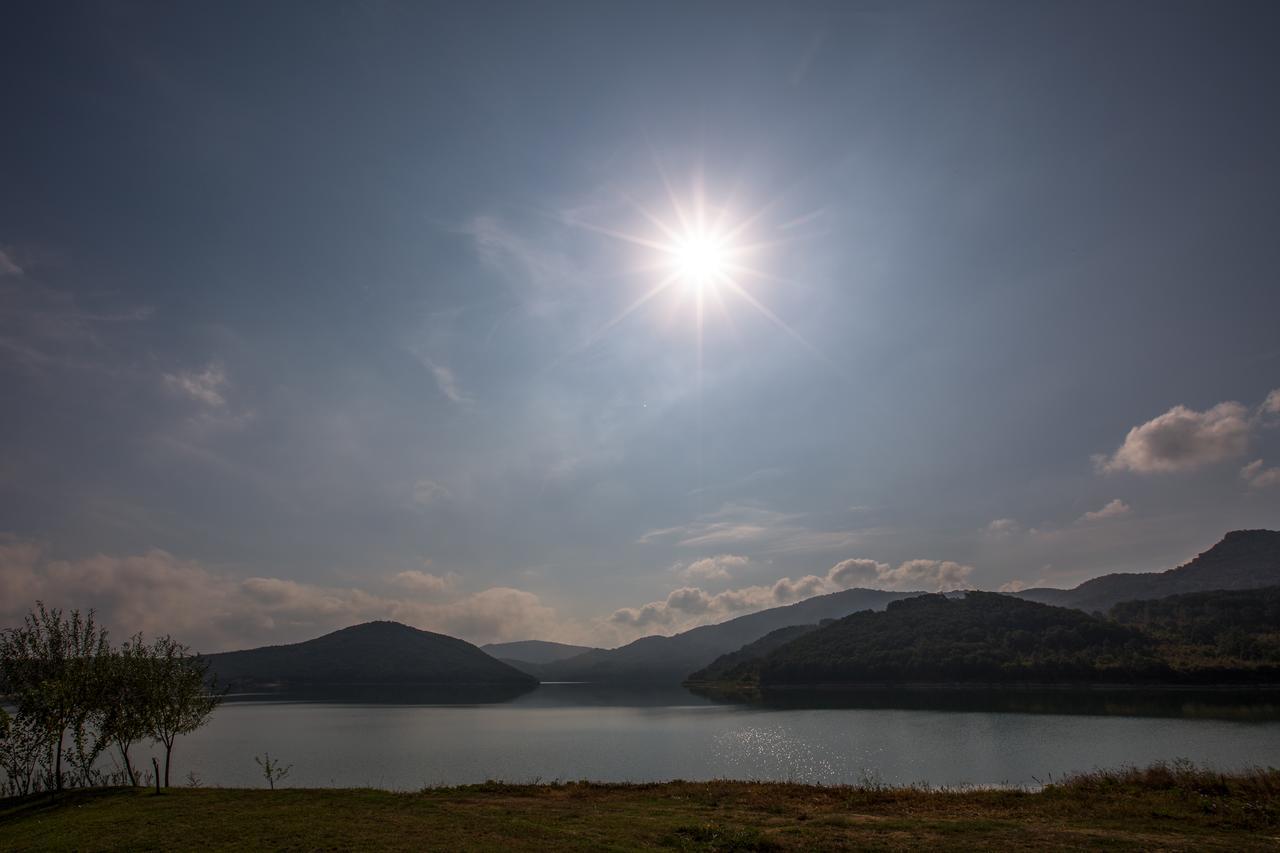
(701, 260)
(702, 254)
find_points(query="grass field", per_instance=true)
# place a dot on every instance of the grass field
(1169, 808)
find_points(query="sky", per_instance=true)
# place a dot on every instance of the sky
(316, 313)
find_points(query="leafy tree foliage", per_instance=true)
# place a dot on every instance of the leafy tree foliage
(67, 682)
(52, 669)
(176, 695)
(1238, 628)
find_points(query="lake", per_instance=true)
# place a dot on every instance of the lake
(577, 731)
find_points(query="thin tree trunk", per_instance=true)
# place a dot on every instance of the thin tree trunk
(128, 766)
(57, 765)
(168, 751)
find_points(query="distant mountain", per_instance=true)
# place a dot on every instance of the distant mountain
(375, 653)
(742, 665)
(534, 651)
(1244, 559)
(672, 659)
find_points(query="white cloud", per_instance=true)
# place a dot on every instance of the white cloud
(206, 386)
(419, 582)
(1258, 477)
(8, 266)
(1271, 405)
(718, 568)
(427, 492)
(1003, 528)
(1114, 509)
(690, 606)
(927, 575)
(1182, 439)
(158, 593)
(447, 382)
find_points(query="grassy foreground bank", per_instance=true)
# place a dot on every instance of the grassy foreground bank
(1172, 808)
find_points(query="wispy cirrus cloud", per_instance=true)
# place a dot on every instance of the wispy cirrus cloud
(1259, 477)
(448, 383)
(44, 329)
(207, 386)
(766, 531)
(9, 266)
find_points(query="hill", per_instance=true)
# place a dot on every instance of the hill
(742, 665)
(1210, 629)
(385, 653)
(534, 651)
(1244, 559)
(983, 637)
(671, 659)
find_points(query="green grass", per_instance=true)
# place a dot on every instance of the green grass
(1160, 808)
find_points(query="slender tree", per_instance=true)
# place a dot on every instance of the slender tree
(52, 668)
(123, 715)
(22, 747)
(179, 699)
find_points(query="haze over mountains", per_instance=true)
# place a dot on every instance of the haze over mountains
(534, 651)
(796, 641)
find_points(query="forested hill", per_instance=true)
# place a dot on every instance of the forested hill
(375, 653)
(1222, 628)
(988, 637)
(742, 665)
(1244, 559)
(982, 637)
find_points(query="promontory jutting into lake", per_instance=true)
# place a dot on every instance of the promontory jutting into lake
(701, 426)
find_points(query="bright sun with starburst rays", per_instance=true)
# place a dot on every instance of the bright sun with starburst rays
(700, 253)
(701, 259)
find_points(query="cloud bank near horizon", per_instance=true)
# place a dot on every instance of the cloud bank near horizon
(159, 593)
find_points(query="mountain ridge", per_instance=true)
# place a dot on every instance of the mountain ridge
(1242, 559)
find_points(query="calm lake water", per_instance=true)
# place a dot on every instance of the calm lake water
(590, 732)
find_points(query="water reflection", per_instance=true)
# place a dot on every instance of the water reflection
(1241, 705)
(383, 694)
(1192, 704)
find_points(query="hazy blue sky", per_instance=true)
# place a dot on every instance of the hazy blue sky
(306, 310)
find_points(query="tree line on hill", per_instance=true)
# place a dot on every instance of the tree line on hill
(984, 637)
(76, 697)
